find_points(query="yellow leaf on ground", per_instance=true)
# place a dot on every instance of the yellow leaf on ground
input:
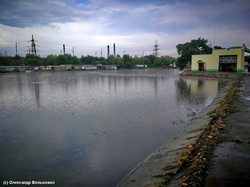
(222, 125)
(178, 162)
(184, 157)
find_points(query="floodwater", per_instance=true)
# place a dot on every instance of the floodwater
(91, 128)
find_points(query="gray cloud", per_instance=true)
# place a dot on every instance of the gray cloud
(130, 23)
(25, 13)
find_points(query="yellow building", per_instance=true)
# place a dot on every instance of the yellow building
(219, 60)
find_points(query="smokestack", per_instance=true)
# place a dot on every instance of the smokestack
(114, 50)
(63, 49)
(107, 51)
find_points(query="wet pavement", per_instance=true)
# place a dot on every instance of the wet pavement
(230, 163)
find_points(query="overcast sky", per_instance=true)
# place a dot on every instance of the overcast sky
(133, 25)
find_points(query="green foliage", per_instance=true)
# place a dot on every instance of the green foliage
(33, 60)
(4, 61)
(118, 61)
(17, 57)
(164, 61)
(126, 61)
(160, 61)
(188, 49)
(151, 59)
(218, 47)
(51, 60)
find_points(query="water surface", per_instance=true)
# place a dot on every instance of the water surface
(91, 128)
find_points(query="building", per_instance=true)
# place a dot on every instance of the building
(140, 66)
(107, 67)
(89, 67)
(231, 59)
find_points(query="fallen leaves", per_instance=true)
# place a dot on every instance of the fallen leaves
(194, 159)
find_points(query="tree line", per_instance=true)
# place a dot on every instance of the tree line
(185, 52)
(125, 61)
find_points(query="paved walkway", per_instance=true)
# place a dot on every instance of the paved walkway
(230, 165)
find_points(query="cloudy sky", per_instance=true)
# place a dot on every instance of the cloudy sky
(133, 25)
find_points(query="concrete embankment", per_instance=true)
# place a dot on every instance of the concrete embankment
(167, 155)
(218, 74)
(229, 165)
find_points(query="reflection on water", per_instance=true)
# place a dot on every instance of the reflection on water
(192, 91)
(91, 128)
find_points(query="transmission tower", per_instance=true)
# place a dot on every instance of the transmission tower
(33, 46)
(156, 49)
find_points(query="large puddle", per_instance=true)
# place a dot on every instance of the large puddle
(91, 128)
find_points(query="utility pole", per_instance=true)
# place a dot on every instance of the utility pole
(214, 38)
(73, 50)
(101, 52)
(28, 49)
(156, 49)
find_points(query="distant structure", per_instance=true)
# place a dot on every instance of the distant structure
(73, 50)
(16, 47)
(107, 51)
(114, 49)
(156, 49)
(33, 46)
(63, 49)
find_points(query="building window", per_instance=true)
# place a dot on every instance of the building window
(228, 63)
(228, 59)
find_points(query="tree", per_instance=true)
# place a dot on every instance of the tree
(32, 60)
(75, 60)
(145, 61)
(118, 61)
(128, 61)
(51, 60)
(186, 50)
(218, 47)
(161, 61)
(151, 59)
(247, 59)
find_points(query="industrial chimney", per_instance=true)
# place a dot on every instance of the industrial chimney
(107, 51)
(63, 49)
